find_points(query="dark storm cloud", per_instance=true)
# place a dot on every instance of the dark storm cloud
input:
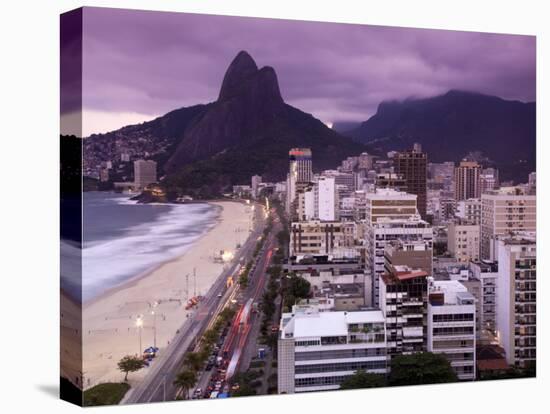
(152, 62)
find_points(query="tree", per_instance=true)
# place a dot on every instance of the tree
(194, 360)
(185, 380)
(362, 379)
(299, 287)
(130, 363)
(210, 336)
(421, 368)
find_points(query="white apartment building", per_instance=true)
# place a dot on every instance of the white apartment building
(516, 298)
(385, 230)
(315, 237)
(319, 350)
(306, 205)
(145, 173)
(326, 199)
(463, 241)
(346, 208)
(389, 203)
(452, 325)
(487, 273)
(504, 211)
(469, 210)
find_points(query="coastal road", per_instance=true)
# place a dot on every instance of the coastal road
(245, 346)
(240, 343)
(158, 383)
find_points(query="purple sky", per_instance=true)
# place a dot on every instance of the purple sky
(140, 64)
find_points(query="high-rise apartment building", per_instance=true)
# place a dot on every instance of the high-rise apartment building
(503, 211)
(452, 326)
(306, 204)
(316, 237)
(383, 231)
(255, 185)
(391, 180)
(516, 298)
(469, 210)
(389, 203)
(463, 241)
(326, 199)
(299, 176)
(489, 179)
(467, 180)
(412, 165)
(487, 273)
(145, 173)
(403, 300)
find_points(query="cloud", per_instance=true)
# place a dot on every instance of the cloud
(97, 121)
(152, 62)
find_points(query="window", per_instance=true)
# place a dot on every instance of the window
(457, 317)
(457, 330)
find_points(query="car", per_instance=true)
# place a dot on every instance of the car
(219, 295)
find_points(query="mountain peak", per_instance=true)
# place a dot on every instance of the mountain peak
(241, 68)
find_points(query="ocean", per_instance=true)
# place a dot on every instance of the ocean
(123, 240)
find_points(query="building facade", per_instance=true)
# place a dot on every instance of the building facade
(403, 298)
(487, 273)
(145, 173)
(315, 237)
(300, 174)
(384, 231)
(412, 166)
(326, 199)
(505, 211)
(452, 326)
(463, 241)
(469, 210)
(516, 298)
(467, 180)
(317, 351)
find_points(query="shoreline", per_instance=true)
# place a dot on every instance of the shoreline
(109, 320)
(131, 281)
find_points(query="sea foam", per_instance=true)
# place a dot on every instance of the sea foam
(110, 262)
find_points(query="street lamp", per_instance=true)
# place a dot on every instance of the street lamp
(139, 324)
(155, 304)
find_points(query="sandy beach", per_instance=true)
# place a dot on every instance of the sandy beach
(109, 321)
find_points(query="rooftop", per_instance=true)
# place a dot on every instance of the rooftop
(454, 292)
(381, 193)
(401, 273)
(309, 322)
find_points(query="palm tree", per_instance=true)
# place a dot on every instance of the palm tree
(185, 380)
(194, 361)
